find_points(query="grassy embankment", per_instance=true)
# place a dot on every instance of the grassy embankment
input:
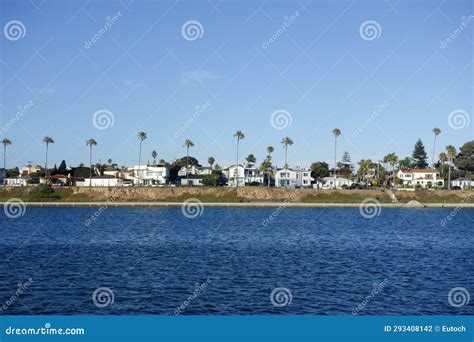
(225, 195)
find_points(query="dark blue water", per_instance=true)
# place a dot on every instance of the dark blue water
(330, 260)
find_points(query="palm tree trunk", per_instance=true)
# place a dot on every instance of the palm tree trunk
(286, 165)
(449, 175)
(187, 166)
(4, 164)
(139, 162)
(90, 169)
(335, 161)
(236, 176)
(46, 166)
(434, 147)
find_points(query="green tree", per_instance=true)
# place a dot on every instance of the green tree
(336, 132)
(188, 144)
(465, 160)
(319, 170)
(62, 169)
(6, 142)
(211, 161)
(286, 142)
(436, 132)
(451, 153)
(47, 140)
(405, 163)
(239, 135)
(391, 159)
(141, 137)
(154, 154)
(419, 155)
(91, 143)
(211, 180)
(443, 158)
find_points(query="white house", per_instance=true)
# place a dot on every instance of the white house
(463, 183)
(242, 175)
(192, 180)
(328, 183)
(101, 181)
(112, 171)
(293, 178)
(425, 178)
(194, 170)
(150, 175)
(17, 181)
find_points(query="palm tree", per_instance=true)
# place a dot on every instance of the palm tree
(154, 154)
(286, 141)
(436, 132)
(47, 140)
(451, 153)
(211, 161)
(109, 161)
(91, 142)
(336, 132)
(5, 143)
(442, 161)
(239, 135)
(250, 162)
(270, 150)
(391, 159)
(141, 136)
(188, 143)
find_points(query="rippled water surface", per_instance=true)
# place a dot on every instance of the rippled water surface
(331, 261)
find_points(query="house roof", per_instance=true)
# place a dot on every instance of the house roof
(419, 171)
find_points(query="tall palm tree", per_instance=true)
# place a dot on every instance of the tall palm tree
(270, 150)
(141, 136)
(47, 140)
(451, 153)
(91, 142)
(154, 154)
(211, 161)
(443, 158)
(286, 141)
(391, 159)
(239, 135)
(436, 132)
(188, 143)
(336, 132)
(5, 143)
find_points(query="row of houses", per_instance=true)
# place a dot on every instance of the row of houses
(234, 175)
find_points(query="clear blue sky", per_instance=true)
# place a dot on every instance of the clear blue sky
(151, 78)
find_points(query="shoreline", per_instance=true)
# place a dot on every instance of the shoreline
(242, 205)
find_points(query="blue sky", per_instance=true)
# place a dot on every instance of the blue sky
(319, 69)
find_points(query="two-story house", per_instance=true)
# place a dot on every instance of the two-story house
(425, 178)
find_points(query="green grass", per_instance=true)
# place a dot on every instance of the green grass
(338, 197)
